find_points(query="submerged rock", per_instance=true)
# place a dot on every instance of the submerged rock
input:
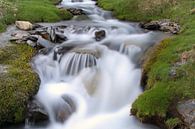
(64, 111)
(24, 25)
(163, 25)
(186, 110)
(99, 35)
(36, 112)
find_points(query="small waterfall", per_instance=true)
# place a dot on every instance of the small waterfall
(72, 63)
(90, 84)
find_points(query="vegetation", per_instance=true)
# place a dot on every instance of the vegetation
(169, 78)
(30, 10)
(17, 82)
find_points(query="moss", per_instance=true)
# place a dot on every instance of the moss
(172, 123)
(17, 84)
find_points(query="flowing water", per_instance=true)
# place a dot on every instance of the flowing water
(93, 85)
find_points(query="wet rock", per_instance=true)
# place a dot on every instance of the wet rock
(153, 25)
(45, 51)
(24, 25)
(36, 112)
(163, 25)
(92, 52)
(44, 43)
(186, 111)
(31, 43)
(75, 11)
(65, 110)
(19, 36)
(33, 38)
(99, 35)
(77, 0)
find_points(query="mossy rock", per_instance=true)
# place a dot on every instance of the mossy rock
(17, 84)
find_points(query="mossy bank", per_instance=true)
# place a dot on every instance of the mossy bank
(169, 77)
(18, 82)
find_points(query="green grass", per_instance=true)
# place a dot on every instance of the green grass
(31, 10)
(17, 84)
(162, 90)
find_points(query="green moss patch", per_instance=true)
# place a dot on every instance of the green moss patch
(17, 84)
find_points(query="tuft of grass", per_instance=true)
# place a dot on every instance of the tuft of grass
(17, 84)
(172, 123)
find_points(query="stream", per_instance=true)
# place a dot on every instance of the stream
(93, 84)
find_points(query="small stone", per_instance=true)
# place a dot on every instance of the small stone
(75, 11)
(192, 11)
(24, 25)
(99, 35)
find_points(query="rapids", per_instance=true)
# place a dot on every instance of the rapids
(94, 84)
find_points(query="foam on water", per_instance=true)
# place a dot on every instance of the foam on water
(100, 79)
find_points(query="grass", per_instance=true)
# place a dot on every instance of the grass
(17, 84)
(163, 91)
(30, 10)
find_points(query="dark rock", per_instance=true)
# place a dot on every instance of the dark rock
(36, 112)
(19, 36)
(60, 38)
(163, 25)
(153, 25)
(35, 26)
(186, 111)
(99, 35)
(75, 11)
(77, 0)
(44, 43)
(45, 51)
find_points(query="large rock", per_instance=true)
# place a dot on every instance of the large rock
(186, 111)
(163, 25)
(24, 25)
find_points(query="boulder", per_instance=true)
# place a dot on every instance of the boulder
(163, 25)
(186, 110)
(24, 25)
(99, 35)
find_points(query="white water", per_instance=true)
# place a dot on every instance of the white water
(102, 88)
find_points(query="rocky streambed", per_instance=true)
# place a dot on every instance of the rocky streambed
(74, 46)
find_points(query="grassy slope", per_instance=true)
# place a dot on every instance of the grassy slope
(162, 89)
(30, 10)
(17, 84)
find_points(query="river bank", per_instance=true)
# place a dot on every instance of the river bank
(18, 82)
(169, 70)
